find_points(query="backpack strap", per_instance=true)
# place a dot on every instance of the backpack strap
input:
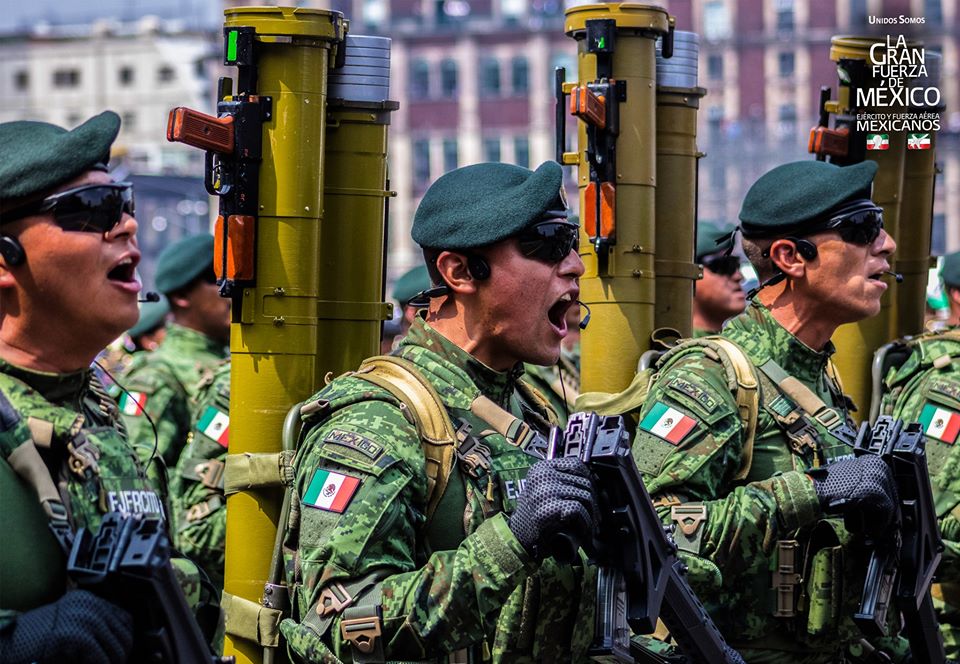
(748, 399)
(402, 379)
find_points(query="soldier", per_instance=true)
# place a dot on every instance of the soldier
(924, 386)
(719, 295)
(196, 486)
(151, 327)
(413, 281)
(748, 476)
(380, 538)
(68, 255)
(163, 383)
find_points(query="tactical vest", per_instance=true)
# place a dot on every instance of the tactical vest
(86, 468)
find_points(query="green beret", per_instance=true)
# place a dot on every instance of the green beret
(183, 261)
(152, 316)
(950, 270)
(411, 283)
(485, 203)
(708, 233)
(37, 156)
(787, 199)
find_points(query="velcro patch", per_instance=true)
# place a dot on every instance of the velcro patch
(695, 392)
(668, 423)
(940, 423)
(355, 441)
(947, 388)
(330, 491)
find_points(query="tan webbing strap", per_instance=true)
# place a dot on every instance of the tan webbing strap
(748, 399)
(251, 621)
(257, 470)
(438, 437)
(26, 462)
(494, 415)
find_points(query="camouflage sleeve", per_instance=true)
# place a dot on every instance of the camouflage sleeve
(362, 489)
(689, 445)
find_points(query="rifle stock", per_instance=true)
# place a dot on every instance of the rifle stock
(640, 575)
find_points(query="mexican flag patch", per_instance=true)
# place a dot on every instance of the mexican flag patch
(330, 491)
(940, 423)
(133, 403)
(668, 423)
(215, 424)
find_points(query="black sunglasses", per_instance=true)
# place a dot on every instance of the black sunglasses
(549, 241)
(859, 227)
(725, 266)
(94, 208)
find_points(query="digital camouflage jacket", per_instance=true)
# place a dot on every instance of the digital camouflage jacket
(458, 583)
(925, 388)
(733, 505)
(76, 428)
(559, 383)
(164, 383)
(196, 486)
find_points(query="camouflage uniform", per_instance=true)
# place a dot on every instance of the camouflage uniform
(459, 581)
(926, 388)
(560, 388)
(196, 487)
(167, 380)
(699, 459)
(77, 429)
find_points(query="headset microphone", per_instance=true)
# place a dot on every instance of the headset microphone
(895, 275)
(150, 296)
(586, 319)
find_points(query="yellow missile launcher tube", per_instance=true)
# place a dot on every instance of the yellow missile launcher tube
(676, 215)
(857, 342)
(352, 235)
(622, 298)
(274, 337)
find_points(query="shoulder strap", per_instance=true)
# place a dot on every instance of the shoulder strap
(748, 399)
(403, 380)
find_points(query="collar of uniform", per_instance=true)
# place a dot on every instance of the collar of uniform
(54, 387)
(182, 338)
(764, 338)
(496, 385)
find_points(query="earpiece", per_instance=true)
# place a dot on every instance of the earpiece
(479, 267)
(12, 251)
(806, 249)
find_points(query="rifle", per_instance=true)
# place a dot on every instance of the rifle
(128, 563)
(903, 559)
(640, 575)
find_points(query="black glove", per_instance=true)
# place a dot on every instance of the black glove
(78, 627)
(861, 489)
(557, 500)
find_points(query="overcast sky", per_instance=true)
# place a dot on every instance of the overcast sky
(19, 14)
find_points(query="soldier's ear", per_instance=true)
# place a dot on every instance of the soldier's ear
(454, 269)
(784, 255)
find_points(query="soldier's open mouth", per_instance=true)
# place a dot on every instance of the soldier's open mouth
(558, 313)
(124, 271)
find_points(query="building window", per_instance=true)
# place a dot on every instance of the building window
(716, 20)
(788, 120)
(74, 119)
(66, 78)
(521, 151)
(715, 121)
(421, 162)
(933, 11)
(785, 64)
(520, 73)
(166, 74)
(784, 15)
(491, 149)
(448, 78)
(125, 76)
(489, 77)
(715, 66)
(129, 120)
(21, 80)
(419, 78)
(858, 13)
(450, 156)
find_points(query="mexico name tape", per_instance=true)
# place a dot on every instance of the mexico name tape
(330, 491)
(668, 423)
